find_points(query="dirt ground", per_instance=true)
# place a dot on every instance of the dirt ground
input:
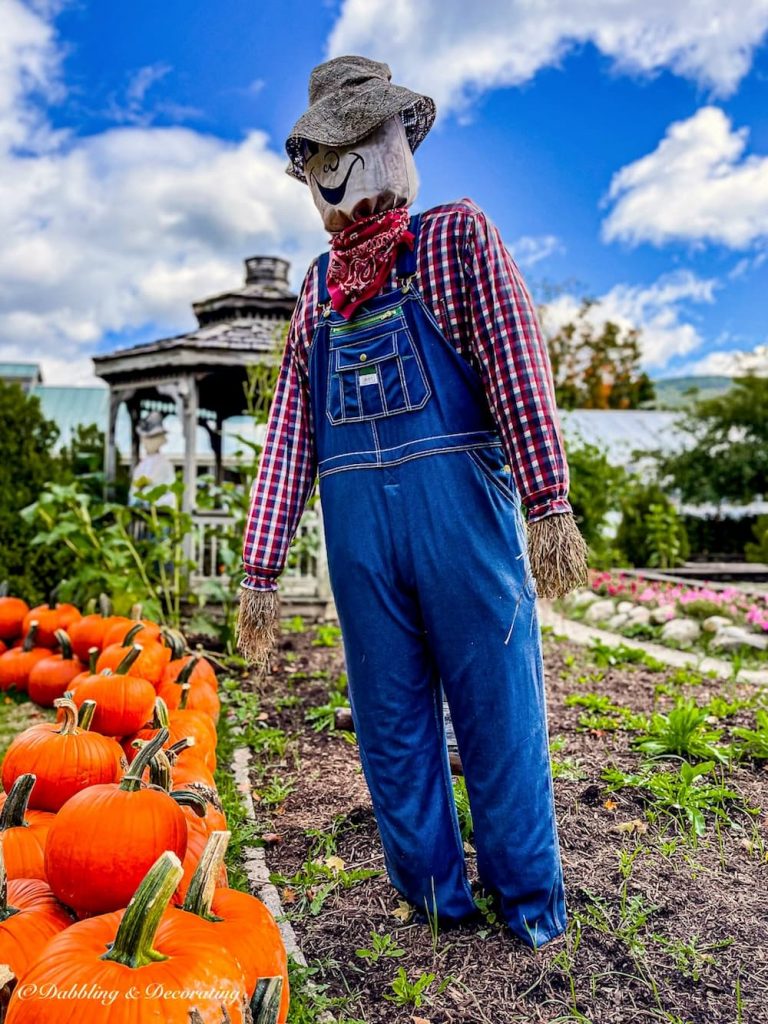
(662, 927)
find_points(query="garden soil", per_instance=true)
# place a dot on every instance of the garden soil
(662, 929)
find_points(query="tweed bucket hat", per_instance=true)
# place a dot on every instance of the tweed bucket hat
(349, 97)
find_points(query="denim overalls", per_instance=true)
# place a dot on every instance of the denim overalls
(428, 567)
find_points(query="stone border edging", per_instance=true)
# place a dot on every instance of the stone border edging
(255, 861)
(582, 634)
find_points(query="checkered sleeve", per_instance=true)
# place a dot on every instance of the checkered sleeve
(515, 366)
(287, 467)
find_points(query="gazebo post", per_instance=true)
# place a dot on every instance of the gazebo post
(110, 452)
(189, 424)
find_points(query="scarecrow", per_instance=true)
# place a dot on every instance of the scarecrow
(416, 385)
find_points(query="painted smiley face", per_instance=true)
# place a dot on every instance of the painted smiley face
(322, 166)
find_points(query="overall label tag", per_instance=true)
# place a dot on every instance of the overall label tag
(368, 376)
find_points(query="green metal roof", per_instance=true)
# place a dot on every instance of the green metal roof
(19, 369)
(72, 407)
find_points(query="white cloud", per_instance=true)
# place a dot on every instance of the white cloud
(731, 363)
(531, 249)
(658, 310)
(110, 232)
(454, 50)
(697, 185)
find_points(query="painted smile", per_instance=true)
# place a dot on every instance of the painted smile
(334, 195)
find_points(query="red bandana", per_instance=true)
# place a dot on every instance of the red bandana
(362, 256)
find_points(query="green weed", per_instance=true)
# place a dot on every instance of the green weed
(406, 993)
(682, 733)
(326, 636)
(684, 794)
(315, 882)
(381, 946)
(753, 742)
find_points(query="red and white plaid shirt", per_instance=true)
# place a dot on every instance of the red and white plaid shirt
(473, 286)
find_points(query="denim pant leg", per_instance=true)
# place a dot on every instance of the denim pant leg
(396, 703)
(480, 614)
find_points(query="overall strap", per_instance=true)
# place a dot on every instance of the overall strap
(406, 258)
(323, 296)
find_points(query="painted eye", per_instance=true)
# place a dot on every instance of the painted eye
(331, 161)
(309, 149)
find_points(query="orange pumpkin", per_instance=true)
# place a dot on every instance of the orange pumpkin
(200, 694)
(29, 916)
(12, 612)
(51, 676)
(89, 631)
(16, 664)
(152, 659)
(106, 837)
(127, 631)
(146, 948)
(64, 756)
(49, 618)
(124, 701)
(23, 832)
(199, 671)
(239, 922)
(179, 724)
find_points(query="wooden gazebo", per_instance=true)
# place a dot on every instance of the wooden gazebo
(200, 375)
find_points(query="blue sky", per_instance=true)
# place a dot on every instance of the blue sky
(621, 147)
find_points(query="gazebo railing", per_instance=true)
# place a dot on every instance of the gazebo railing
(305, 577)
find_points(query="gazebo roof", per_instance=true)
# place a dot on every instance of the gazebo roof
(235, 328)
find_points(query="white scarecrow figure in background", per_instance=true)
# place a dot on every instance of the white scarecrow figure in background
(154, 468)
(416, 386)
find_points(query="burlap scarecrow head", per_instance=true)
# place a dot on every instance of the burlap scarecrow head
(354, 145)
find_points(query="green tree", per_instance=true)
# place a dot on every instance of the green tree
(634, 538)
(27, 465)
(597, 369)
(596, 489)
(726, 454)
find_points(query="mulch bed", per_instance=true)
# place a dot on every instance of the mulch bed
(712, 894)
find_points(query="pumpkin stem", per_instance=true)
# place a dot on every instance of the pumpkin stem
(85, 718)
(70, 723)
(105, 606)
(188, 798)
(185, 688)
(128, 660)
(64, 643)
(136, 611)
(199, 898)
(136, 932)
(185, 743)
(160, 771)
(174, 639)
(160, 719)
(265, 1001)
(29, 639)
(189, 668)
(53, 596)
(131, 781)
(15, 806)
(4, 588)
(132, 633)
(5, 910)
(93, 657)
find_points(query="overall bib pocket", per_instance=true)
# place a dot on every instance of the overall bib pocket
(374, 369)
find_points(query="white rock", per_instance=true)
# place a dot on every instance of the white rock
(617, 621)
(599, 611)
(664, 613)
(625, 607)
(681, 632)
(715, 623)
(731, 638)
(583, 598)
(639, 616)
